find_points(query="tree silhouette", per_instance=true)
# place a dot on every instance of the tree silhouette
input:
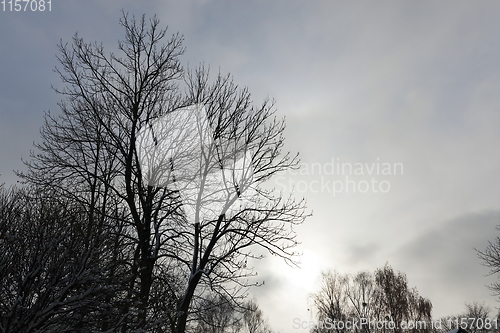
(55, 263)
(176, 162)
(491, 259)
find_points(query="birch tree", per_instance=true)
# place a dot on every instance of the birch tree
(369, 299)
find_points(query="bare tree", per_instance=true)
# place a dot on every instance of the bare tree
(491, 259)
(244, 152)
(89, 151)
(253, 319)
(53, 264)
(394, 300)
(331, 300)
(400, 303)
(364, 298)
(474, 319)
(195, 221)
(217, 315)
(479, 315)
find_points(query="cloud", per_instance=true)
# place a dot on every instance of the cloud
(443, 263)
(412, 82)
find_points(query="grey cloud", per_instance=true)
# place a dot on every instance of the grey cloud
(413, 82)
(443, 263)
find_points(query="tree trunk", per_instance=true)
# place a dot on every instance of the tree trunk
(184, 306)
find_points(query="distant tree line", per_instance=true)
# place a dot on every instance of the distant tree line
(368, 299)
(476, 318)
(381, 302)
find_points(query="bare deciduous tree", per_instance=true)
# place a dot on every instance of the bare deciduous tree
(331, 300)
(394, 300)
(223, 238)
(217, 315)
(253, 319)
(474, 319)
(53, 263)
(491, 259)
(197, 227)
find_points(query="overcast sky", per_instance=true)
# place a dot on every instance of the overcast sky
(404, 93)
